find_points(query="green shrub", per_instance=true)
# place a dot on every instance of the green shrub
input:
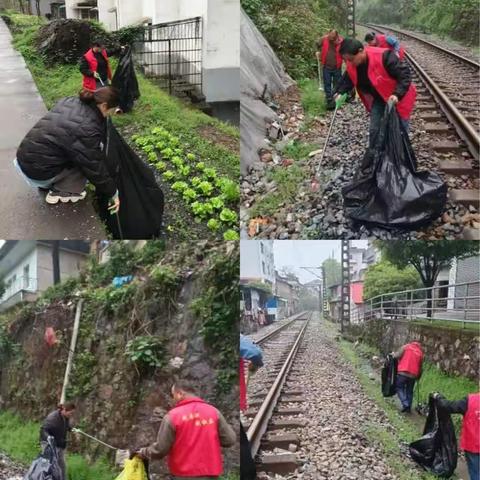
(146, 351)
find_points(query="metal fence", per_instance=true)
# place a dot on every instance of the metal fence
(172, 53)
(459, 302)
(19, 284)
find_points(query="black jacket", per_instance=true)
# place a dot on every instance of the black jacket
(397, 69)
(57, 426)
(72, 133)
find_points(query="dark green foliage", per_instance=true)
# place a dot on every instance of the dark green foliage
(292, 27)
(384, 277)
(122, 261)
(83, 370)
(60, 292)
(147, 351)
(427, 257)
(151, 253)
(455, 18)
(218, 307)
(8, 348)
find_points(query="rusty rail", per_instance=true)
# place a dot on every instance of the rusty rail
(260, 422)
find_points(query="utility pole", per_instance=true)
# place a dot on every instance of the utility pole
(351, 18)
(345, 296)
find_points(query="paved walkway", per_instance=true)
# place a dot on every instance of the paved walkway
(23, 211)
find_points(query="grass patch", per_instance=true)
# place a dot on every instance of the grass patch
(405, 428)
(19, 440)
(287, 181)
(313, 99)
(298, 150)
(475, 327)
(405, 431)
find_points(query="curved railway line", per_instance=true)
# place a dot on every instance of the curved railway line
(276, 397)
(448, 101)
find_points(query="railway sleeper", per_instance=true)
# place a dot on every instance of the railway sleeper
(281, 464)
(283, 440)
(457, 167)
(465, 197)
(285, 423)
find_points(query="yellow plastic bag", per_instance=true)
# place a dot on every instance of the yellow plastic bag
(134, 469)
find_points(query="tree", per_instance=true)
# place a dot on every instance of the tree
(427, 257)
(383, 277)
(333, 272)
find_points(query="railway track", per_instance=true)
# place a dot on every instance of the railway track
(275, 396)
(449, 104)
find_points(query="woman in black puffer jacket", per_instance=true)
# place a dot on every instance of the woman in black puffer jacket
(67, 147)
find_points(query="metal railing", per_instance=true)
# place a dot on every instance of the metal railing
(20, 284)
(459, 302)
(172, 53)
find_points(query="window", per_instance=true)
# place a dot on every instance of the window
(26, 276)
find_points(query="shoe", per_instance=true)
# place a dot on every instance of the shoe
(406, 410)
(53, 197)
(330, 104)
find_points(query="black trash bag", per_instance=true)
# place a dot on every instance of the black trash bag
(389, 376)
(391, 193)
(436, 451)
(45, 466)
(125, 81)
(247, 464)
(141, 199)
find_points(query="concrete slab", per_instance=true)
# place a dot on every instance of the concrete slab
(24, 214)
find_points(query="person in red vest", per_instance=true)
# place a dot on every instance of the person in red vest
(328, 53)
(385, 41)
(191, 436)
(380, 78)
(469, 407)
(95, 68)
(409, 369)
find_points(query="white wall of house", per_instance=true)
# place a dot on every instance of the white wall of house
(22, 276)
(256, 260)
(221, 67)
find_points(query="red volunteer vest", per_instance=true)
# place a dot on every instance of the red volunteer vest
(243, 386)
(382, 43)
(411, 360)
(470, 437)
(326, 46)
(90, 83)
(383, 83)
(196, 451)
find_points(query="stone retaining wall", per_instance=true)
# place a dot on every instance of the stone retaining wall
(453, 351)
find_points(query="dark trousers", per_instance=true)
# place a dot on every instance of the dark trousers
(376, 116)
(247, 464)
(330, 77)
(405, 387)
(473, 463)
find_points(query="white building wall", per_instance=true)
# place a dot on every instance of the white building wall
(22, 283)
(252, 260)
(104, 16)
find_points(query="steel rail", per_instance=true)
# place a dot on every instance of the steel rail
(270, 334)
(259, 424)
(420, 39)
(463, 127)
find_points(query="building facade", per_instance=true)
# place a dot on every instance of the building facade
(26, 267)
(219, 45)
